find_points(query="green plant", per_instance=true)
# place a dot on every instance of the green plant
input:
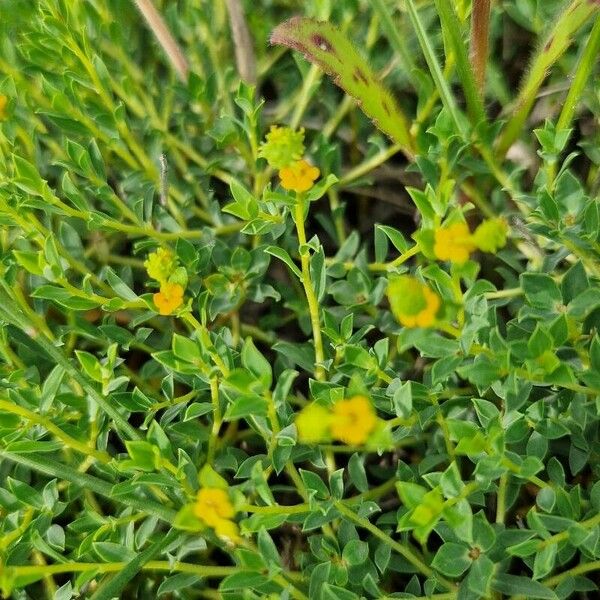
(229, 369)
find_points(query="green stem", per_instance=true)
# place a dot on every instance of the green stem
(112, 586)
(217, 419)
(583, 71)
(578, 570)
(501, 498)
(435, 69)
(404, 551)
(309, 290)
(69, 441)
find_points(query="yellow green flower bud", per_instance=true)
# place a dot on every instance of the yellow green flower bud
(161, 264)
(282, 147)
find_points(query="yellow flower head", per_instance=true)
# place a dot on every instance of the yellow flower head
(413, 303)
(282, 147)
(160, 264)
(313, 423)
(169, 298)
(454, 243)
(228, 530)
(3, 103)
(213, 506)
(490, 236)
(353, 420)
(299, 176)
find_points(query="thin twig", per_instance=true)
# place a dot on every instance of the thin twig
(165, 38)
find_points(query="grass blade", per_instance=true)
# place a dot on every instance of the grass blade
(576, 14)
(435, 69)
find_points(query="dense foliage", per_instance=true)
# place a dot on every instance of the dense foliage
(256, 342)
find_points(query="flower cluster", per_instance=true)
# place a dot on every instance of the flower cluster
(162, 265)
(214, 508)
(413, 303)
(351, 421)
(283, 149)
(455, 242)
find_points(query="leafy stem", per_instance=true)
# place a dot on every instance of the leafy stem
(309, 290)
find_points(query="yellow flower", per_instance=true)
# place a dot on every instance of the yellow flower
(454, 243)
(490, 236)
(160, 264)
(169, 298)
(353, 420)
(214, 508)
(282, 147)
(413, 303)
(228, 530)
(3, 103)
(299, 177)
(213, 505)
(313, 423)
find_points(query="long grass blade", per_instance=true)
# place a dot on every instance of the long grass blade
(574, 16)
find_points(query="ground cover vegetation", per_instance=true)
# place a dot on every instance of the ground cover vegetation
(299, 299)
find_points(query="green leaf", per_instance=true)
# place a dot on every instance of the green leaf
(358, 476)
(544, 561)
(513, 585)
(452, 559)
(119, 286)
(247, 405)
(283, 255)
(144, 456)
(541, 290)
(314, 484)
(355, 552)
(328, 48)
(481, 576)
(256, 363)
(91, 365)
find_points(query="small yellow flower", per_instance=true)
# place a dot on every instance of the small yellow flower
(299, 177)
(213, 506)
(313, 423)
(160, 264)
(454, 243)
(282, 147)
(169, 298)
(228, 530)
(413, 303)
(353, 420)
(3, 103)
